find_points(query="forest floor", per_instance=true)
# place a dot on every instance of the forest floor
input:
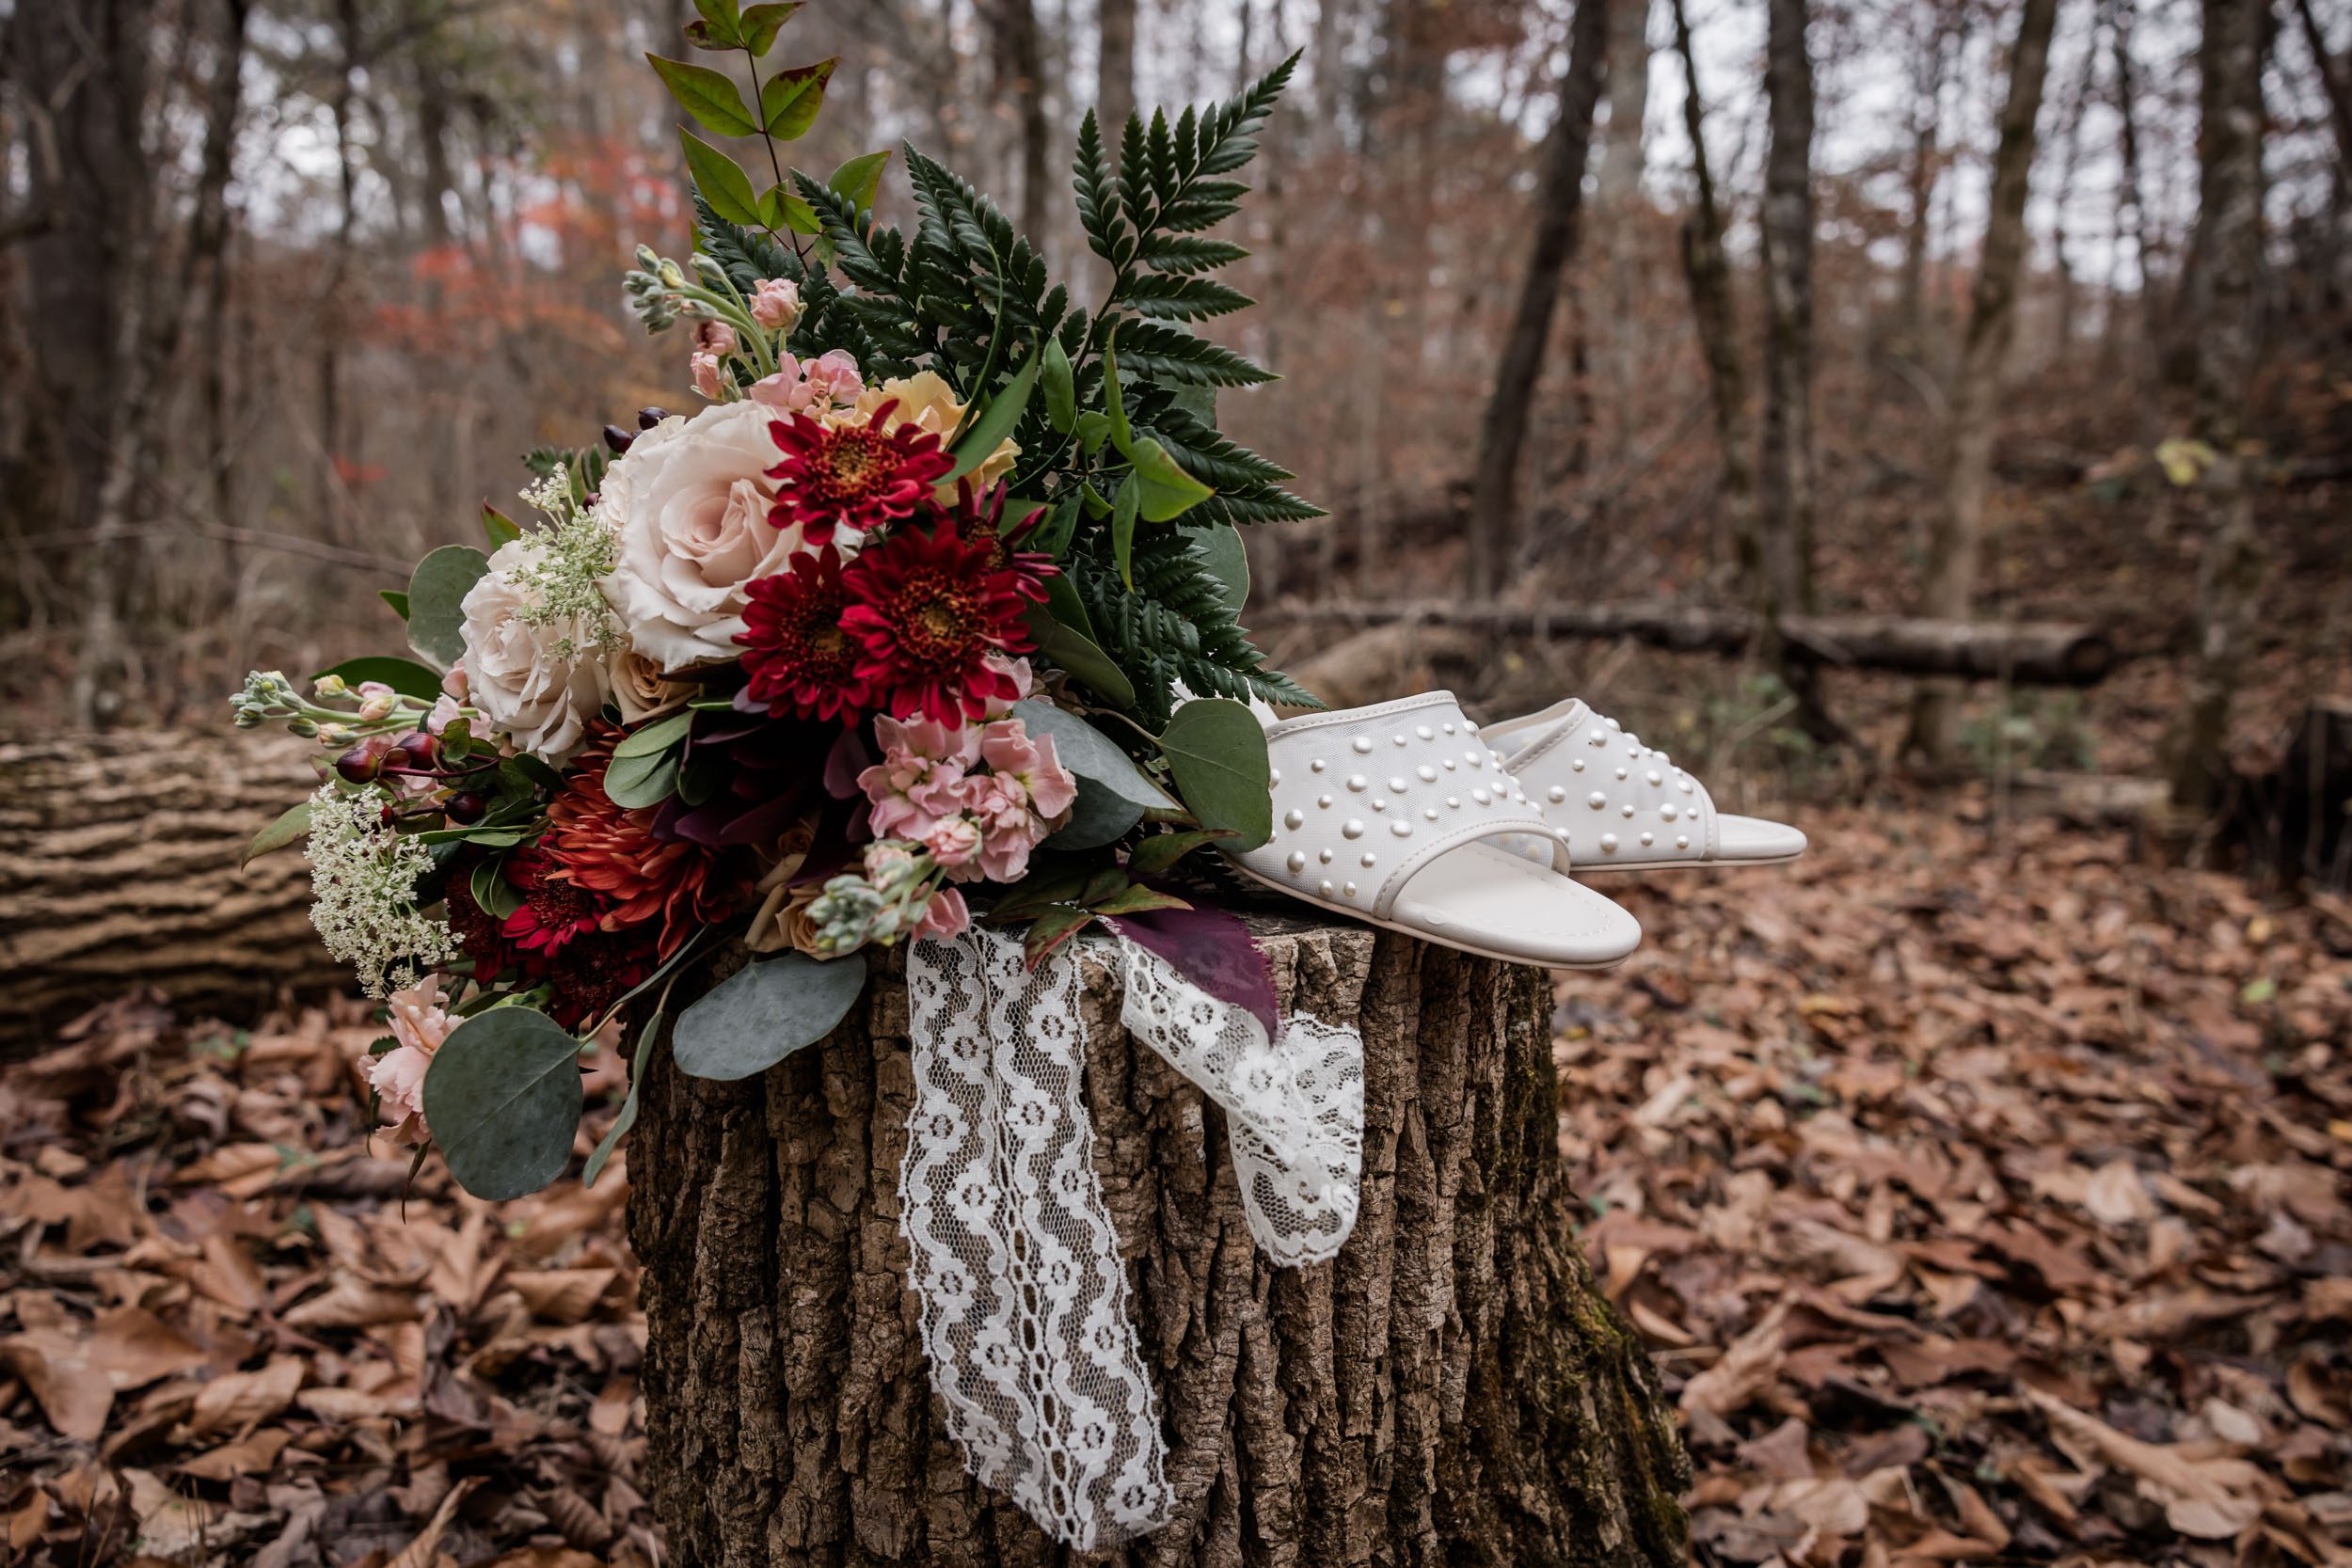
(1982, 1190)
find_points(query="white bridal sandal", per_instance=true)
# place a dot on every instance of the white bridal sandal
(1623, 806)
(1384, 814)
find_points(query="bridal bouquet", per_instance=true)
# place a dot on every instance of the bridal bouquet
(926, 615)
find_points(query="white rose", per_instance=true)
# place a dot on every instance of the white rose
(539, 683)
(687, 507)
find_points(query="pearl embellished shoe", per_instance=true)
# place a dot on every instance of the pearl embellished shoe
(1621, 806)
(1402, 816)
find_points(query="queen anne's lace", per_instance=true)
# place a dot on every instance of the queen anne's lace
(1013, 1256)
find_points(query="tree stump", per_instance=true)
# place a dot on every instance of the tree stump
(1452, 1388)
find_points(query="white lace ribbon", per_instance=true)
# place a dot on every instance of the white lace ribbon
(1013, 1256)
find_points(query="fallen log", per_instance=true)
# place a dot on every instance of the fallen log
(118, 870)
(1452, 1387)
(2035, 653)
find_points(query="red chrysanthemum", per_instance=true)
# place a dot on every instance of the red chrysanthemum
(981, 521)
(675, 886)
(552, 913)
(555, 936)
(928, 608)
(851, 476)
(800, 662)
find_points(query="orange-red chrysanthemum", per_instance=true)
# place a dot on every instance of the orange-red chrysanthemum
(676, 886)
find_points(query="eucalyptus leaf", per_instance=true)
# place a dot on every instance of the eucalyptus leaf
(710, 96)
(396, 598)
(293, 823)
(491, 891)
(764, 1012)
(437, 598)
(648, 1041)
(503, 1099)
(1216, 748)
(1091, 754)
(631, 782)
(656, 737)
(404, 676)
(1101, 816)
(499, 528)
(1229, 560)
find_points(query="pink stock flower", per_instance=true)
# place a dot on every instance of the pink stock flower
(715, 338)
(708, 379)
(776, 303)
(811, 385)
(419, 1022)
(1011, 751)
(945, 918)
(1024, 681)
(921, 779)
(954, 842)
(1009, 829)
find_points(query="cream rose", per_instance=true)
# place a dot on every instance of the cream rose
(639, 689)
(538, 679)
(687, 507)
(927, 403)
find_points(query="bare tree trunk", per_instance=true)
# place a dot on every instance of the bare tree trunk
(1558, 203)
(1927, 155)
(1956, 540)
(1115, 71)
(2144, 249)
(2071, 141)
(2229, 573)
(1618, 187)
(1021, 78)
(1452, 1388)
(1708, 274)
(2331, 80)
(1782, 564)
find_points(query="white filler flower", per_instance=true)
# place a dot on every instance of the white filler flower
(363, 882)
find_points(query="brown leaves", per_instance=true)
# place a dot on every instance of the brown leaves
(265, 1351)
(1983, 1198)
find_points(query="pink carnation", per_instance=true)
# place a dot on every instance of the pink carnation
(922, 777)
(419, 1022)
(776, 303)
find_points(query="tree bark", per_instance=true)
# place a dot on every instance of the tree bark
(1452, 1388)
(1558, 203)
(118, 870)
(1707, 273)
(1114, 68)
(1927, 125)
(2229, 258)
(1780, 557)
(1021, 78)
(1956, 538)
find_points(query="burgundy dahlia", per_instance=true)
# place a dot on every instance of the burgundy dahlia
(675, 886)
(851, 476)
(800, 662)
(927, 608)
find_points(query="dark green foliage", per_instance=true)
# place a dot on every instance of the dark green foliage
(1175, 626)
(586, 465)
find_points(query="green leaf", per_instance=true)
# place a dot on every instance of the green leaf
(1137, 900)
(648, 1041)
(404, 676)
(632, 783)
(1079, 655)
(501, 528)
(762, 24)
(1164, 491)
(779, 209)
(1113, 401)
(1124, 506)
(489, 888)
(1091, 754)
(1160, 851)
(503, 1100)
(436, 597)
(720, 13)
(984, 433)
(1216, 748)
(790, 101)
(655, 739)
(1220, 545)
(1052, 538)
(710, 96)
(763, 1013)
(1060, 387)
(292, 824)
(859, 178)
(1093, 426)
(1101, 816)
(722, 181)
(1057, 924)
(396, 598)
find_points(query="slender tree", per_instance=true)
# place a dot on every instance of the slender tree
(2228, 251)
(1114, 65)
(1708, 275)
(1558, 204)
(1021, 78)
(1782, 560)
(1956, 540)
